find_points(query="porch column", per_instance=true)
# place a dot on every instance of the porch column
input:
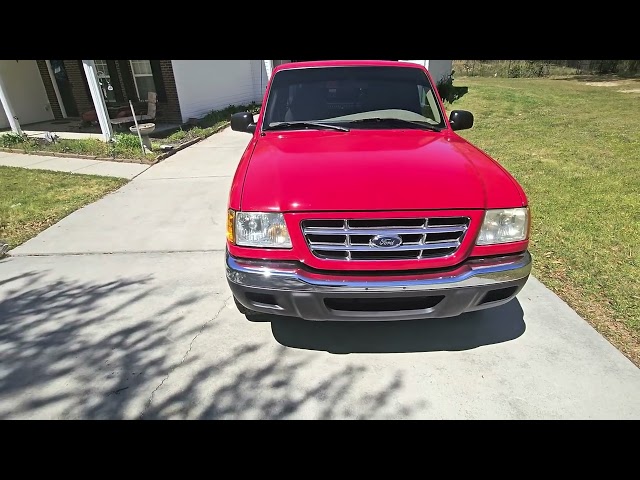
(98, 99)
(8, 108)
(268, 64)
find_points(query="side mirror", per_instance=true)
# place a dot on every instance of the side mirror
(243, 122)
(461, 119)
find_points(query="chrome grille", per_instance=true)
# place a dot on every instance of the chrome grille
(352, 239)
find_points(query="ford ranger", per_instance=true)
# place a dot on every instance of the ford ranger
(356, 199)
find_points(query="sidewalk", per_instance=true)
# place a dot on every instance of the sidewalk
(179, 205)
(73, 165)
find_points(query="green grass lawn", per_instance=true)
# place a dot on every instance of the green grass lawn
(126, 146)
(32, 200)
(575, 148)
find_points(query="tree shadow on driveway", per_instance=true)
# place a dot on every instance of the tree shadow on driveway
(238, 387)
(468, 331)
(69, 351)
(123, 349)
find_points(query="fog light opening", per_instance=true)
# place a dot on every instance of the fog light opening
(263, 300)
(498, 294)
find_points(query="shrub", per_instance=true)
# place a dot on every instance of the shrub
(630, 66)
(11, 139)
(606, 66)
(445, 87)
(127, 141)
(526, 69)
(515, 68)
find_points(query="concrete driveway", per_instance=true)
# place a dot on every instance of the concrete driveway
(121, 310)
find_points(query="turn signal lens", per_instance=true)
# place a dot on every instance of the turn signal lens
(231, 215)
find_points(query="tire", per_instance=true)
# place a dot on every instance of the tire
(251, 315)
(241, 308)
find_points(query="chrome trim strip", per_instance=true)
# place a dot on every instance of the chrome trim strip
(379, 231)
(366, 248)
(290, 276)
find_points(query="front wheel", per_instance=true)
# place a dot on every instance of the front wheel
(251, 315)
(241, 308)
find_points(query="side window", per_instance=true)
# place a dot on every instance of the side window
(277, 103)
(428, 104)
(421, 96)
(433, 106)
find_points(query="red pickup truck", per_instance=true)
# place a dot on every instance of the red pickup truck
(356, 200)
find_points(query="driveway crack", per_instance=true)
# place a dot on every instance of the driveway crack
(184, 357)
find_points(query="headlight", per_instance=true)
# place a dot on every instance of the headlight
(504, 225)
(253, 229)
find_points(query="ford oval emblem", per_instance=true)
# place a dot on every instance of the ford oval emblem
(385, 241)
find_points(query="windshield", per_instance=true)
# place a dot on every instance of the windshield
(349, 96)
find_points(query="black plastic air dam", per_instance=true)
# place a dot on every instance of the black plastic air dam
(391, 304)
(292, 291)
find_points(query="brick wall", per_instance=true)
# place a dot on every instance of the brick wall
(170, 110)
(78, 85)
(48, 87)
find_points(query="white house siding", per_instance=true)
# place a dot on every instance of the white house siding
(439, 69)
(205, 85)
(260, 78)
(26, 92)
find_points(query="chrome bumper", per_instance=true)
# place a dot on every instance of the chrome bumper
(295, 291)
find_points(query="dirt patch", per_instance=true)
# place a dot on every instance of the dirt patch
(604, 84)
(633, 90)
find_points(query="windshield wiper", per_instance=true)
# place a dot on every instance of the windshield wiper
(279, 125)
(397, 120)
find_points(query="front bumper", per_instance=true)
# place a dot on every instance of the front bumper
(287, 288)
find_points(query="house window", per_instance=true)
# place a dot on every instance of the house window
(105, 80)
(143, 78)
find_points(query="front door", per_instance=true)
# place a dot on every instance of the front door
(64, 86)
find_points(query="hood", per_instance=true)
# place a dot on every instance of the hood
(373, 170)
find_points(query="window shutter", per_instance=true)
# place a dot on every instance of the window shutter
(115, 80)
(158, 80)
